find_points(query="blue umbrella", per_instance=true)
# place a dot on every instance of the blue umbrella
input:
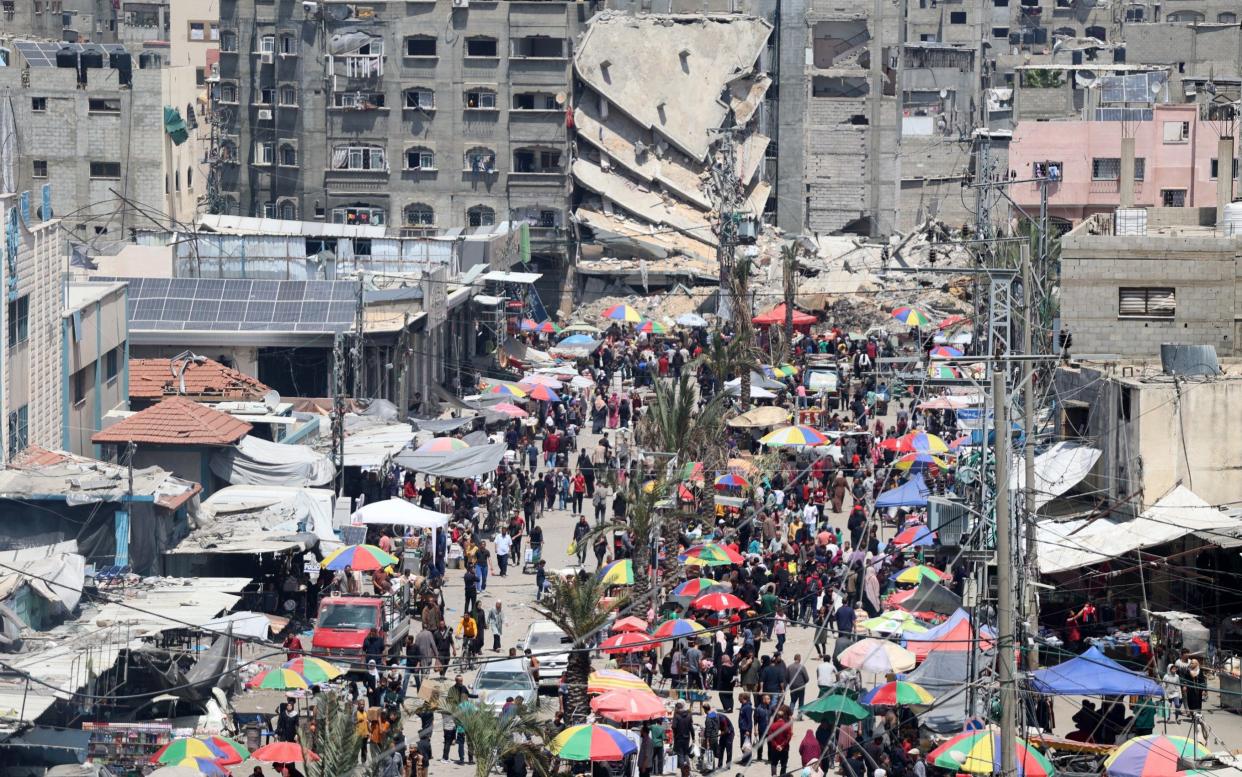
(578, 340)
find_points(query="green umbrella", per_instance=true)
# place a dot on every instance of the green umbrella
(837, 708)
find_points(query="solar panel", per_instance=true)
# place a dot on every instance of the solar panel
(320, 289)
(203, 310)
(43, 54)
(291, 290)
(236, 290)
(210, 288)
(290, 312)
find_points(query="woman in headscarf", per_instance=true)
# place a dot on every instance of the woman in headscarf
(871, 590)
(614, 411)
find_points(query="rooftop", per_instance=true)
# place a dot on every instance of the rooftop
(82, 294)
(206, 379)
(39, 472)
(176, 421)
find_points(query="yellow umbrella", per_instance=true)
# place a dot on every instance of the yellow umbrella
(614, 679)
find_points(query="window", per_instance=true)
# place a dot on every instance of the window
(200, 31)
(189, 179)
(9, 7)
(420, 99)
(957, 17)
(358, 214)
(358, 101)
(480, 100)
(1189, 17)
(19, 320)
(419, 215)
(267, 44)
(228, 92)
(288, 45)
(534, 101)
(419, 159)
(112, 364)
(1000, 32)
(289, 210)
(105, 169)
(1216, 168)
(288, 155)
(228, 41)
(39, 168)
(1146, 302)
(420, 46)
(482, 47)
(1134, 14)
(1109, 169)
(540, 47)
(1000, 3)
(480, 160)
(531, 160)
(549, 218)
(263, 152)
(480, 216)
(176, 180)
(288, 95)
(38, 104)
(81, 382)
(1173, 198)
(1176, 131)
(200, 76)
(264, 96)
(19, 430)
(99, 105)
(359, 158)
(269, 210)
(1227, 18)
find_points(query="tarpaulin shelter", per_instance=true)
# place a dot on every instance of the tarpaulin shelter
(467, 463)
(398, 512)
(912, 493)
(945, 674)
(955, 634)
(174, 125)
(931, 596)
(258, 462)
(776, 317)
(1093, 674)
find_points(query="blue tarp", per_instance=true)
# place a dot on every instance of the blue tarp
(1093, 674)
(912, 493)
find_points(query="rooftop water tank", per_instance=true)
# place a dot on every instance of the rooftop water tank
(1130, 221)
(1232, 222)
(1178, 359)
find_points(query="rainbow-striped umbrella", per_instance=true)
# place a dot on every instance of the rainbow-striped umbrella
(919, 573)
(914, 536)
(731, 481)
(652, 328)
(897, 693)
(543, 394)
(695, 587)
(944, 352)
(614, 679)
(528, 325)
(366, 558)
(626, 642)
(911, 316)
(178, 750)
(711, 554)
(943, 371)
(915, 442)
(622, 312)
(894, 622)
(204, 766)
(979, 752)
(793, 436)
(920, 459)
(591, 742)
(315, 670)
(278, 680)
(507, 390)
(442, 445)
(548, 328)
(677, 628)
(234, 752)
(1154, 755)
(619, 572)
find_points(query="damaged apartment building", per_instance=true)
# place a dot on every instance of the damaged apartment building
(661, 98)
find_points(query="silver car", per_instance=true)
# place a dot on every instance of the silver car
(502, 680)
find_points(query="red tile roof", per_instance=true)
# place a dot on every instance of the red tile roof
(176, 421)
(152, 379)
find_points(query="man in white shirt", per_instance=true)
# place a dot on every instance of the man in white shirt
(504, 543)
(810, 514)
(825, 676)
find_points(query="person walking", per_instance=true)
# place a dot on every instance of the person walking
(798, 680)
(779, 739)
(646, 752)
(496, 622)
(504, 543)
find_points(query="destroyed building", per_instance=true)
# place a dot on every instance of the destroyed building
(661, 99)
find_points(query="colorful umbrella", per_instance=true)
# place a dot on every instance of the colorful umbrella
(652, 328)
(695, 587)
(711, 554)
(877, 656)
(591, 742)
(943, 371)
(315, 670)
(628, 706)
(914, 536)
(614, 679)
(944, 352)
(235, 752)
(893, 622)
(548, 328)
(622, 312)
(916, 442)
(179, 750)
(528, 325)
(952, 320)
(510, 409)
(692, 470)
(359, 557)
(793, 436)
(909, 460)
(919, 572)
(1154, 755)
(731, 481)
(630, 623)
(911, 316)
(979, 752)
(836, 707)
(536, 379)
(965, 439)
(543, 394)
(677, 628)
(283, 753)
(506, 390)
(898, 692)
(788, 370)
(442, 445)
(204, 766)
(619, 572)
(718, 600)
(626, 642)
(278, 679)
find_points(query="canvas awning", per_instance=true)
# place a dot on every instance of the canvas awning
(467, 463)
(259, 462)
(1093, 674)
(398, 512)
(776, 317)
(912, 493)
(760, 417)
(1057, 470)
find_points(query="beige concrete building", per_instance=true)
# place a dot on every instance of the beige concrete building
(96, 344)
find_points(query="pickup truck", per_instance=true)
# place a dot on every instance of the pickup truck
(345, 621)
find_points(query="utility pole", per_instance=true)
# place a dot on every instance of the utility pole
(359, 307)
(338, 409)
(403, 359)
(789, 264)
(728, 191)
(1028, 459)
(1004, 576)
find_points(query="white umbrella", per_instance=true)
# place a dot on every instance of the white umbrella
(878, 656)
(541, 380)
(581, 382)
(691, 320)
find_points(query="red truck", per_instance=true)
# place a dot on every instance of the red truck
(345, 621)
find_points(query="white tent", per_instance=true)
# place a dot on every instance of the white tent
(398, 512)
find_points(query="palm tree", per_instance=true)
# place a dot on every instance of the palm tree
(673, 424)
(494, 737)
(332, 738)
(744, 333)
(574, 607)
(789, 264)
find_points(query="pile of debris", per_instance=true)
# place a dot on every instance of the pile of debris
(663, 307)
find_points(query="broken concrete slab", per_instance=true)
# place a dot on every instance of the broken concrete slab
(644, 204)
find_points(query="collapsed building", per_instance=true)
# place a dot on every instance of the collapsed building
(659, 99)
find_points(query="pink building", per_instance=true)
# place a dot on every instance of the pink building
(1175, 162)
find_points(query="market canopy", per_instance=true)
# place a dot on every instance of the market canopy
(1093, 674)
(258, 462)
(912, 493)
(468, 463)
(1057, 470)
(440, 425)
(398, 512)
(760, 417)
(931, 596)
(776, 317)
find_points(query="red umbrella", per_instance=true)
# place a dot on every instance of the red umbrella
(630, 623)
(626, 642)
(718, 601)
(283, 753)
(625, 706)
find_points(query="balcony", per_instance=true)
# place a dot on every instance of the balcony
(355, 181)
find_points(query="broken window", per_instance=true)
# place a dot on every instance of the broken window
(480, 216)
(423, 99)
(539, 46)
(957, 17)
(358, 214)
(824, 86)
(836, 40)
(420, 159)
(359, 101)
(480, 160)
(100, 105)
(420, 46)
(359, 158)
(482, 47)
(534, 160)
(288, 155)
(1146, 302)
(534, 101)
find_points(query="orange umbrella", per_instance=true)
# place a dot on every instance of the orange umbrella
(283, 753)
(630, 623)
(628, 705)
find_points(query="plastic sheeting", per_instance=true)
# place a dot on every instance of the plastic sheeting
(1093, 674)
(440, 425)
(945, 674)
(1057, 470)
(257, 462)
(398, 512)
(468, 463)
(912, 493)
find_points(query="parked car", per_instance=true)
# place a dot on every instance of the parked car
(501, 680)
(550, 645)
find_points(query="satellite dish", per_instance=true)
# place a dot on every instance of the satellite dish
(271, 400)
(560, 98)
(944, 93)
(967, 475)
